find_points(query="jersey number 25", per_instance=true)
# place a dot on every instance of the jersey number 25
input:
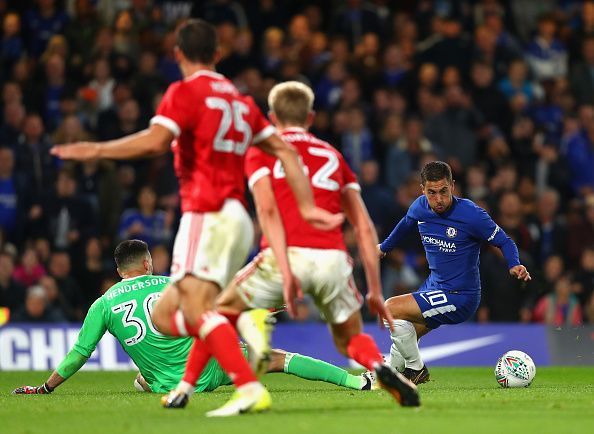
(232, 116)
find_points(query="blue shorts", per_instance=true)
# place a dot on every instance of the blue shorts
(446, 306)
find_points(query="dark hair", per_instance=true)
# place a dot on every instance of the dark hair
(130, 252)
(197, 39)
(436, 171)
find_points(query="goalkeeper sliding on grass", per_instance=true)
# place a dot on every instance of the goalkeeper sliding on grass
(125, 312)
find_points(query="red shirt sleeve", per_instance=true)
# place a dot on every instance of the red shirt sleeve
(257, 165)
(177, 111)
(348, 176)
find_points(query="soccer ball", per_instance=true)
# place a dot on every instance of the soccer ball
(515, 369)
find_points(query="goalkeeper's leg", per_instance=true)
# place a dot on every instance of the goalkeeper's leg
(315, 370)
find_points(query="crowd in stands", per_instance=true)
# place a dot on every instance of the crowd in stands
(501, 90)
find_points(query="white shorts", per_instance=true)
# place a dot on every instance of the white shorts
(213, 245)
(324, 274)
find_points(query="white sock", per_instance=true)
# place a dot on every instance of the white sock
(185, 387)
(396, 360)
(404, 337)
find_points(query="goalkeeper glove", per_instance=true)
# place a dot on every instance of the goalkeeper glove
(44, 389)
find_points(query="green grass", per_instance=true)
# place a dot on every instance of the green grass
(457, 400)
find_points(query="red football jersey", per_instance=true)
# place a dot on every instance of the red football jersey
(214, 125)
(329, 175)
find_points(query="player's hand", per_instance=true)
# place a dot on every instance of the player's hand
(291, 293)
(44, 389)
(377, 306)
(321, 219)
(381, 254)
(520, 272)
(81, 151)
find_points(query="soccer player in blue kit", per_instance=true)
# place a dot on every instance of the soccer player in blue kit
(452, 230)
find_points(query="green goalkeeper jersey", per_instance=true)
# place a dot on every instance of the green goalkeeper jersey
(125, 312)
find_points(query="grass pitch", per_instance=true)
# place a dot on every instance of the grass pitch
(457, 400)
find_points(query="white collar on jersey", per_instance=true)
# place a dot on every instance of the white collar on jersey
(294, 129)
(201, 72)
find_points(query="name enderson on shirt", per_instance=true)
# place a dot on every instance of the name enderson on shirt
(444, 246)
(141, 284)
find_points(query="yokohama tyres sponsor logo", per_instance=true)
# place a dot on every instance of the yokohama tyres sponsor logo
(444, 246)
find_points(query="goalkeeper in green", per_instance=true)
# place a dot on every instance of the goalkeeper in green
(125, 312)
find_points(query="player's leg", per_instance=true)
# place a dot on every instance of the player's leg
(409, 326)
(165, 308)
(315, 370)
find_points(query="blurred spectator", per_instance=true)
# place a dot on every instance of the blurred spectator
(102, 84)
(36, 309)
(146, 223)
(516, 86)
(397, 276)
(357, 141)
(546, 55)
(489, 53)
(403, 157)
(503, 299)
(580, 228)
(67, 219)
(582, 74)
(354, 19)
(547, 229)
(89, 271)
(12, 293)
(374, 194)
(13, 196)
(55, 300)
(127, 121)
(12, 47)
(30, 270)
(476, 183)
(579, 153)
(511, 220)
(11, 124)
(272, 50)
(559, 308)
(225, 11)
(41, 22)
(147, 82)
(33, 157)
(60, 268)
(81, 31)
(487, 98)
(161, 260)
(584, 277)
(454, 130)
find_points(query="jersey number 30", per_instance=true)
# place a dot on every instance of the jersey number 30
(129, 320)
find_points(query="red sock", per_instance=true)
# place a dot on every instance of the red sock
(223, 344)
(232, 317)
(181, 327)
(197, 360)
(363, 350)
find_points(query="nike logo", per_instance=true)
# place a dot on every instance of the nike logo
(420, 223)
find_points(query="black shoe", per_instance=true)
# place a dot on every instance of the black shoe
(417, 377)
(175, 399)
(402, 389)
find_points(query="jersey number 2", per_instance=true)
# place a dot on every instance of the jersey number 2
(129, 320)
(232, 115)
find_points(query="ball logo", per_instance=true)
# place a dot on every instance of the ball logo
(451, 232)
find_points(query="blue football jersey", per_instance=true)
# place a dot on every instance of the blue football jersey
(452, 242)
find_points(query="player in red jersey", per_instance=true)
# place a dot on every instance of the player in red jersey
(210, 126)
(317, 259)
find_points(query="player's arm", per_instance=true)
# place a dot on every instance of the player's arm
(405, 225)
(299, 183)
(357, 215)
(150, 142)
(272, 227)
(493, 234)
(90, 334)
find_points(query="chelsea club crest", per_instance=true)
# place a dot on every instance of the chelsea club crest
(451, 232)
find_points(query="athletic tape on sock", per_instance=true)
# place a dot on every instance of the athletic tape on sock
(288, 357)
